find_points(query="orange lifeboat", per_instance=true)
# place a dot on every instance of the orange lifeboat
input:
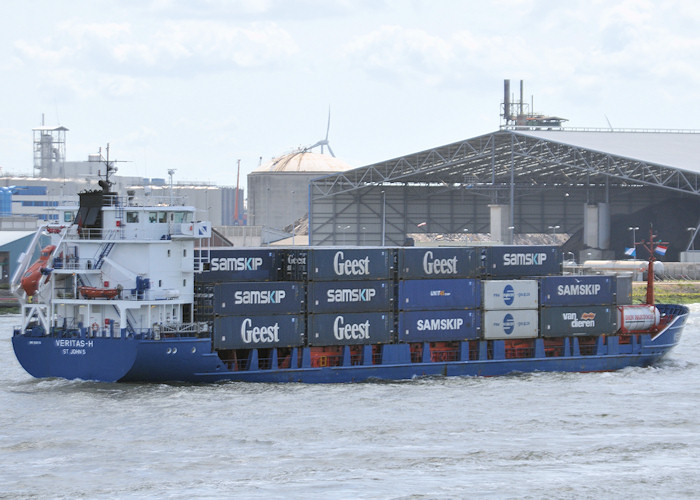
(31, 278)
(90, 292)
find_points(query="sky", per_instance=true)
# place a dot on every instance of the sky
(196, 85)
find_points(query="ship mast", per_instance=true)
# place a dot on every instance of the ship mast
(651, 247)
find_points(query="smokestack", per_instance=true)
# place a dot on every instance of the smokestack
(506, 100)
(521, 98)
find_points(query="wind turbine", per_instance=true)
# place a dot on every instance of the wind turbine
(324, 142)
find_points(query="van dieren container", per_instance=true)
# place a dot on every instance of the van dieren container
(266, 297)
(351, 264)
(249, 332)
(518, 261)
(510, 294)
(577, 290)
(350, 328)
(425, 294)
(434, 326)
(511, 324)
(239, 264)
(436, 263)
(350, 296)
(578, 320)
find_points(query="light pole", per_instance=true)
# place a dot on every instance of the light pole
(512, 236)
(692, 237)
(573, 257)
(554, 228)
(634, 238)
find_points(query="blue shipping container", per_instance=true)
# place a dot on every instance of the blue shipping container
(521, 261)
(267, 297)
(434, 326)
(350, 328)
(248, 332)
(295, 264)
(351, 264)
(443, 262)
(578, 290)
(439, 294)
(350, 296)
(240, 264)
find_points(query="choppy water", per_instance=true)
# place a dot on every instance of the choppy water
(629, 434)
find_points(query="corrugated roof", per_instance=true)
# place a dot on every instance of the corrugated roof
(672, 149)
(11, 236)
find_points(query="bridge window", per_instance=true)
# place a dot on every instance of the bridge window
(132, 217)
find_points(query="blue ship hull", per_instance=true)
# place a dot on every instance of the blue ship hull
(189, 359)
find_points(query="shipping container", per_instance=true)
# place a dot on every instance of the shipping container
(623, 286)
(424, 294)
(350, 328)
(521, 261)
(499, 295)
(248, 332)
(295, 266)
(577, 290)
(512, 324)
(578, 320)
(637, 318)
(356, 263)
(268, 297)
(434, 326)
(350, 296)
(436, 263)
(239, 264)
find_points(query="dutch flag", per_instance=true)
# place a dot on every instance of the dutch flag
(631, 252)
(661, 249)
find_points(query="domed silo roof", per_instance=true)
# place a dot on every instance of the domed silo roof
(303, 161)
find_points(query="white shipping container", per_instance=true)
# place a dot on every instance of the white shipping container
(499, 295)
(510, 324)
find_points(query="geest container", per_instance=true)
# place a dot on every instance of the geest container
(435, 263)
(434, 326)
(351, 264)
(577, 290)
(350, 328)
(509, 294)
(578, 320)
(425, 294)
(248, 332)
(295, 264)
(350, 296)
(239, 264)
(521, 261)
(512, 324)
(268, 297)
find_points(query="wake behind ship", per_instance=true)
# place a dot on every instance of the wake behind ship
(127, 291)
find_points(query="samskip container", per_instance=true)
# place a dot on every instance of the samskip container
(578, 320)
(577, 290)
(433, 326)
(247, 332)
(512, 324)
(239, 264)
(509, 294)
(350, 296)
(521, 261)
(436, 263)
(269, 297)
(426, 294)
(350, 328)
(351, 264)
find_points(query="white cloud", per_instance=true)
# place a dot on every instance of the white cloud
(175, 47)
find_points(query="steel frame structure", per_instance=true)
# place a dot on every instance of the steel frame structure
(498, 168)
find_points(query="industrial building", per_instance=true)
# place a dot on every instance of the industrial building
(603, 187)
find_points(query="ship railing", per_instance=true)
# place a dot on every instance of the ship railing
(169, 330)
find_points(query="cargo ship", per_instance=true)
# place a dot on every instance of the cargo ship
(120, 290)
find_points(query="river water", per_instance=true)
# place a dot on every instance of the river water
(628, 434)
